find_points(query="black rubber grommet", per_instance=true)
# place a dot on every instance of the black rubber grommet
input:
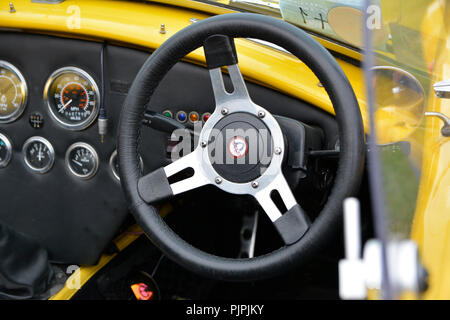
(219, 51)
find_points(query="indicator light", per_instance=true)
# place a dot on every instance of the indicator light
(193, 116)
(181, 116)
(206, 116)
(142, 291)
(168, 113)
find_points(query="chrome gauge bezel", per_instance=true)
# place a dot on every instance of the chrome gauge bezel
(8, 144)
(50, 148)
(113, 169)
(86, 123)
(92, 151)
(24, 88)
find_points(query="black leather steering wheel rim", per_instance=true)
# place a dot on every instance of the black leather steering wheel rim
(351, 134)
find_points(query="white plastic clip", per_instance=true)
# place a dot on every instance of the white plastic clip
(351, 269)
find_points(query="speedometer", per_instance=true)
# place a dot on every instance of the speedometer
(13, 92)
(72, 97)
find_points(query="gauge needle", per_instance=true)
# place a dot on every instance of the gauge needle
(40, 155)
(68, 102)
(78, 163)
(64, 106)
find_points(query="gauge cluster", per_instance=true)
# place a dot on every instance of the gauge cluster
(59, 182)
(72, 98)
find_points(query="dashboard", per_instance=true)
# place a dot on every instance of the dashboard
(59, 178)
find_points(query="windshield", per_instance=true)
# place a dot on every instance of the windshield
(394, 21)
(339, 20)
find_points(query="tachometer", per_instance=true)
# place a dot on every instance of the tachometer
(72, 97)
(13, 92)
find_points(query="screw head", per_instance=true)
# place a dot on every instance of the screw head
(218, 180)
(203, 144)
(224, 111)
(261, 114)
(255, 184)
(277, 150)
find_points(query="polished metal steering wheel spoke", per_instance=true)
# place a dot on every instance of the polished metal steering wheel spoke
(291, 224)
(197, 180)
(265, 198)
(155, 186)
(221, 95)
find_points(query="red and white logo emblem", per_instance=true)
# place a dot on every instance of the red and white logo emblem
(238, 147)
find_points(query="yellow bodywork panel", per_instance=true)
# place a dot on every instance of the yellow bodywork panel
(82, 275)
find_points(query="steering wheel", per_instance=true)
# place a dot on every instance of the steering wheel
(237, 111)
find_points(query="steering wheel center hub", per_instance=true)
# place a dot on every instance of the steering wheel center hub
(240, 147)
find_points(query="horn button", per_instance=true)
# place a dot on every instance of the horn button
(240, 147)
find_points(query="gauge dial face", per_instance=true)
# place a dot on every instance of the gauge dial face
(5, 151)
(39, 154)
(72, 97)
(82, 160)
(13, 92)
(114, 164)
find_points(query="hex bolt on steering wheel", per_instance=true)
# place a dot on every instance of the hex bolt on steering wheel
(252, 175)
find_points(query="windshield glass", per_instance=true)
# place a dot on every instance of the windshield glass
(414, 166)
(409, 110)
(339, 20)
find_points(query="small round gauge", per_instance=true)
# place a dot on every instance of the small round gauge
(5, 150)
(72, 97)
(114, 164)
(13, 92)
(38, 154)
(82, 160)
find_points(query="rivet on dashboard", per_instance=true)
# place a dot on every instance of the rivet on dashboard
(203, 144)
(255, 184)
(261, 114)
(224, 111)
(162, 30)
(218, 180)
(11, 8)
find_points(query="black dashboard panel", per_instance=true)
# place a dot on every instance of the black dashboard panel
(75, 219)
